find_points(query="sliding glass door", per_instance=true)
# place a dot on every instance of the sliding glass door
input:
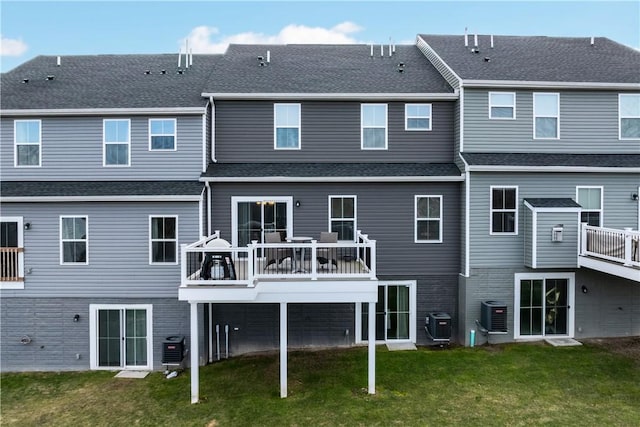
(255, 216)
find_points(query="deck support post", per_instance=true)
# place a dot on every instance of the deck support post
(193, 351)
(283, 349)
(372, 348)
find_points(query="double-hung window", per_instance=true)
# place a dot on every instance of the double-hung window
(117, 142)
(163, 234)
(27, 137)
(504, 210)
(417, 117)
(162, 134)
(74, 239)
(373, 121)
(590, 198)
(287, 126)
(546, 115)
(428, 219)
(342, 216)
(629, 115)
(502, 105)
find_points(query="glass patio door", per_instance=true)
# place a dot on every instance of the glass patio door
(122, 338)
(544, 307)
(393, 314)
(256, 216)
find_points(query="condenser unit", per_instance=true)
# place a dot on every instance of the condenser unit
(439, 325)
(494, 316)
(173, 350)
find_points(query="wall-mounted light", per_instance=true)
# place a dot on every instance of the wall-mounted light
(27, 225)
(584, 289)
(298, 203)
(634, 196)
(76, 318)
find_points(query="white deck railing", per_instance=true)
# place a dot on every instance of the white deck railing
(203, 263)
(11, 264)
(621, 246)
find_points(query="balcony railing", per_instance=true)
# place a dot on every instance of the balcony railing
(620, 246)
(11, 264)
(208, 263)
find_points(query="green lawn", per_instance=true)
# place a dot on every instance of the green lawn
(516, 384)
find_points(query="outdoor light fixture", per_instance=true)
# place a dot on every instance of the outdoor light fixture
(585, 289)
(298, 203)
(634, 196)
(27, 225)
(76, 318)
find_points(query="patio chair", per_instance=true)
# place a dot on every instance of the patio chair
(326, 254)
(275, 255)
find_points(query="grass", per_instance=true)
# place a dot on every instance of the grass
(515, 384)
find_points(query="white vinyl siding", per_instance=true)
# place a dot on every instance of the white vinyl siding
(590, 198)
(373, 122)
(28, 139)
(629, 116)
(502, 105)
(342, 216)
(428, 219)
(286, 126)
(417, 117)
(504, 210)
(163, 240)
(162, 134)
(546, 116)
(74, 240)
(116, 142)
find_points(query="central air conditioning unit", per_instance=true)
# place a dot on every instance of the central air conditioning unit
(439, 325)
(173, 350)
(493, 316)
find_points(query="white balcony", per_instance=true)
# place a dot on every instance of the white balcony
(610, 250)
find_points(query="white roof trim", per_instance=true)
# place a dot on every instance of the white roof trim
(485, 168)
(123, 198)
(426, 44)
(451, 178)
(334, 96)
(552, 209)
(527, 84)
(105, 111)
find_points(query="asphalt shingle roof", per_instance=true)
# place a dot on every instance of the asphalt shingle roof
(99, 188)
(548, 59)
(553, 159)
(331, 170)
(552, 203)
(325, 69)
(106, 81)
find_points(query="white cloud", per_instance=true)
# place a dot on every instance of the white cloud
(12, 47)
(200, 38)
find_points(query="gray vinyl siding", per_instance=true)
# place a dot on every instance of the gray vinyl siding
(330, 132)
(118, 249)
(508, 250)
(588, 124)
(385, 212)
(557, 254)
(72, 147)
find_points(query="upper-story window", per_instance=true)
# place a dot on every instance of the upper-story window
(287, 126)
(504, 210)
(417, 117)
(546, 115)
(27, 137)
(73, 240)
(502, 105)
(629, 115)
(117, 142)
(342, 216)
(373, 120)
(163, 236)
(428, 219)
(590, 198)
(162, 134)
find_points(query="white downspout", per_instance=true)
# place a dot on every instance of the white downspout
(208, 187)
(213, 130)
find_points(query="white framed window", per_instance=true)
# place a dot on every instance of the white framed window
(116, 142)
(503, 210)
(590, 198)
(417, 117)
(162, 134)
(502, 105)
(546, 116)
(373, 122)
(286, 125)
(163, 239)
(27, 136)
(342, 216)
(629, 115)
(428, 219)
(12, 252)
(74, 240)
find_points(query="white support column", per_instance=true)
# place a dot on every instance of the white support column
(210, 337)
(372, 348)
(193, 350)
(283, 349)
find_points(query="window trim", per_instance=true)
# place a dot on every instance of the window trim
(105, 143)
(512, 105)
(407, 117)
(386, 126)
(491, 211)
(535, 115)
(355, 214)
(620, 117)
(276, 127)
(18, 284)
(85, 240)
(16, 144)
(601, 210)
(151, 240)
(174, 134)
(416, 219)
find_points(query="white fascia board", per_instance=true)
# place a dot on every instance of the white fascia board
(568, 169)
(124, 198)
(426, 45)
(526, 84)
(335, 96)
(552, 209)
(169, 111)
(453, 178)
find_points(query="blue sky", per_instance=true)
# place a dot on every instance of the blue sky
(31, 28)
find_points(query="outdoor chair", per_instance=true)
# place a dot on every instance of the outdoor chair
(326, 254)
(275, 255)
